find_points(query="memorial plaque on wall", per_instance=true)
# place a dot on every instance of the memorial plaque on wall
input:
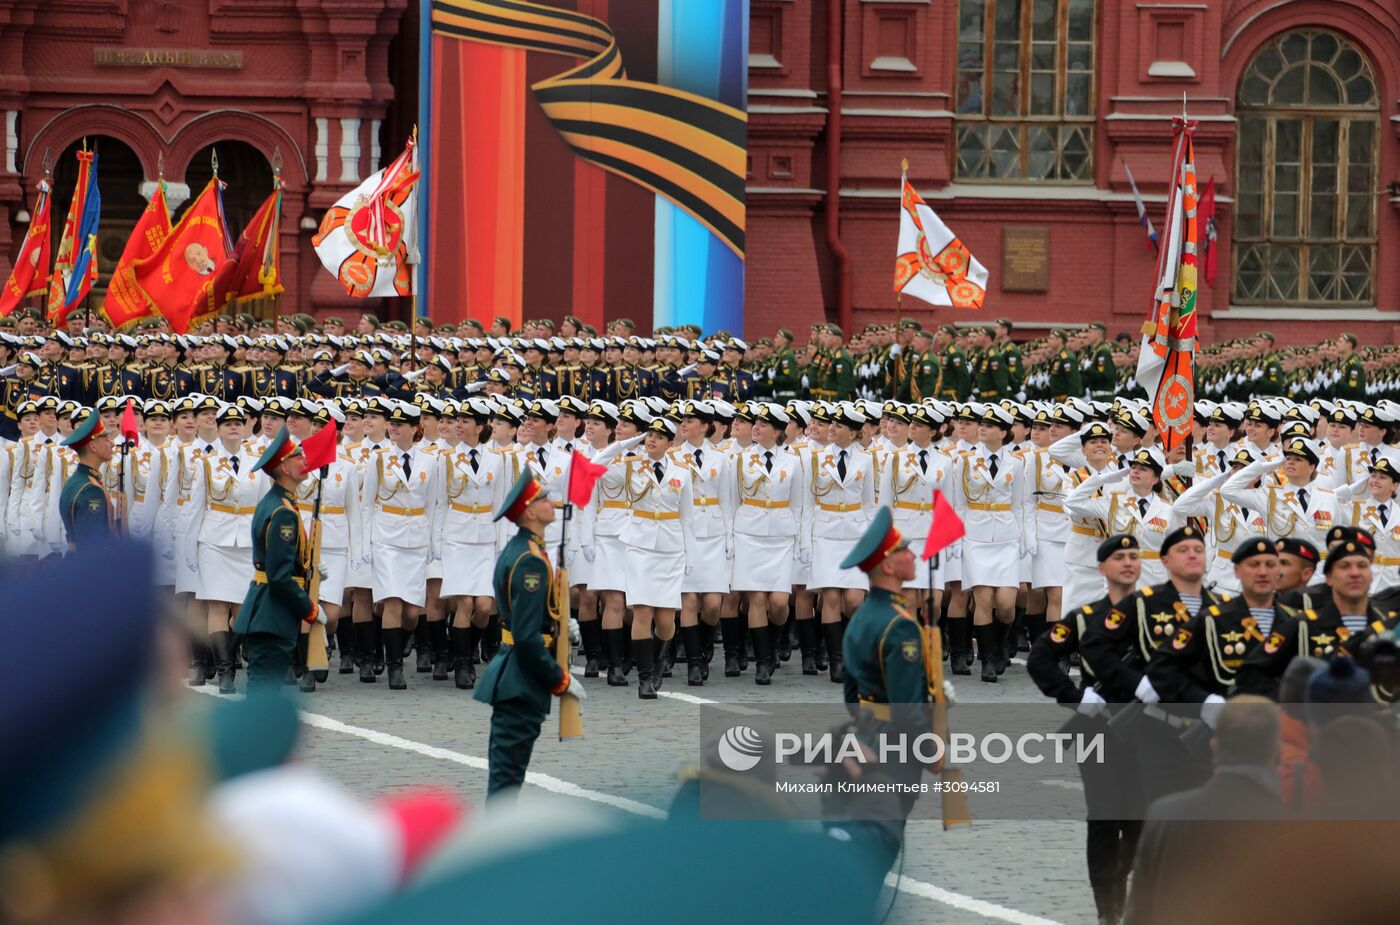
(1025, 258)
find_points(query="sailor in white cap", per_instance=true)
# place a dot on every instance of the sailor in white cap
(1300, 506)
(1136, 508)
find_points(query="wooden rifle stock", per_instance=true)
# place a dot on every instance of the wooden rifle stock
(955, 808)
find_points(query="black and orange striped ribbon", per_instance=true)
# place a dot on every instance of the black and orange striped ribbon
(687, 148)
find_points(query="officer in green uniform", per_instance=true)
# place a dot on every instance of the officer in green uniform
(523, 675)
(923, 360)
(989, 372)
(840, 382)
(786, 380)
(955, 376)
(1064, 369)
(84, 505)
(277, 602)
(886, 684)
(1272, 379)
(1011, 359)
(1352, 383)
(1100, 376)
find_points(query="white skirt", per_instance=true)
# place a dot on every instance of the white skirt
(995, 565)
(1048, 569)
(580, 569)
(337, 563)
(467, 569)
(1082, 586)
(653, 578)
(827, 556)
(763, 563)
(400, 573)
(435, 570)
(224, 573)
(709, 573)
(609, 564)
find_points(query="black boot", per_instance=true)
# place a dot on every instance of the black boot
(345, 644)
(463, 672)
(307, 684)
(733, 642)
(1002, 644)
(437, 641)
(694, 660)
(298, 666)
(393, 657)
(986, 649)
(591, 635)
(201, 663)
(1018, 641)
(491, 638)
(378, 659)
(422, 648)
(665, 658)
(644, 651)
(822, 661)
(707, 648)
(959, 645)
(1035, 625)
(613, 641)
(782, 640)
(365, 651)
(764, 662)
(222, 646)
(628, 657)
(833, 633)
(807, 642)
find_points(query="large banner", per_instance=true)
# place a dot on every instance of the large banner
(610, 185)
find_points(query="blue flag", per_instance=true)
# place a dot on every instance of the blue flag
(85, 267)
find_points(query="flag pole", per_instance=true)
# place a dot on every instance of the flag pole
(316, 659)
(570, 714)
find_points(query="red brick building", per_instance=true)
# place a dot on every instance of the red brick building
(1016, 116)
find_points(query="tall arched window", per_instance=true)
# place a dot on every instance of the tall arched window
(1025, 96)
(1305, 190)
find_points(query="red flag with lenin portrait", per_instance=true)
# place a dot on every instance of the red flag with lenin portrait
(1165, 366)
(174, 276)
(255, 269)
(367, 238)
(931, 263)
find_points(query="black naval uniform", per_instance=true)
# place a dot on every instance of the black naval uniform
(1316, 633)
(1112, 795)
(1205, 654)
(523, 676)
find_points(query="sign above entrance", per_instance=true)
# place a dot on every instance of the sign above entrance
(168, 57)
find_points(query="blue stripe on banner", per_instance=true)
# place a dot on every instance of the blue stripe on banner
(702, 47)
(425, 116)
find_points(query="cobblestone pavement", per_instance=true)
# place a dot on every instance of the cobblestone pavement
(1030, 873)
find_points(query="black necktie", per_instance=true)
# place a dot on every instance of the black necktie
(543, 454)
(923, 461)
(233, 461)
(1142, 506)
(656, 467)
(568, 447)
(768, 460)
(992, 465)
(1303, 498)
(208, 448)
(697, 459)
(1373, 454)
(472, 454)
(407, 465)
(1220, 455)
(1384, 514)
(841, 465)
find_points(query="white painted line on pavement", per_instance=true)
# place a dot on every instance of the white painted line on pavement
(566, 788)
(1066, 784)
(701, 701)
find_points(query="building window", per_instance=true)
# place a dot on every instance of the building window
(1305, 190)
(1025, 104)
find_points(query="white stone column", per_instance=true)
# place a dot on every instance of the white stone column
(350, 150)
(323, 149)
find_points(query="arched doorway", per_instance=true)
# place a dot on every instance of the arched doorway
(1305, 207)
(248, 176)
(119, 179)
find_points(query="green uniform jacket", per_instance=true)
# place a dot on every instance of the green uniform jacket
(85, 508)
(884, 658)
(1101, 376)
(1014, 365)
(277, 602)
(1352, 385)
(956, 384)
(525, 670)
(1064, 376)
(787, 376)
(991, 381)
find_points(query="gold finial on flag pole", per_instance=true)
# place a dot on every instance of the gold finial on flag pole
(904, 165)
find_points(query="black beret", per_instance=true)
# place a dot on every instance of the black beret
(1251, 548)
(1300, 548)
(1343, 534)
(1180, 535)
(1116, 542)
(1345, 550)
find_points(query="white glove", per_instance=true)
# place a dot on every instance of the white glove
(355, 565)
(575, 688)
(772, 373)
(167, 554)
(320, 615)
(689, 568)
(1271, 464)
(1210, 709)
(950, 693)
(15, 530)
(686, 370)
(1146, 692)
(477, 386)
(804, 556)
(588, 553)
(341, 370)
(574, 633)
(324, 572)
(38, 534)
(192, 565)
(895, 349)
(728, 548)
(1091, 704)
(569, 555)
(633, 441)
(953, 552)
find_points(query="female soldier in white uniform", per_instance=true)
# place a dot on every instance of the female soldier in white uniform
(1300, 506)
(842, 483)
(659, 504)
(910, 475)
(217, 534)
(990, 490)
(709, 546)
(1228, 525)
(1136, 509)
(766, 499)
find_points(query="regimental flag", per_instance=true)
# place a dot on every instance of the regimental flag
(85, 266)
(254, 270)
(945, 528)
(173, 277)
(683, 146)
(30, 275)
(1207, 210)
(126, 303)
(319, 449)
(367, 240)
(583, 475)
(1143, 220)
(1165, 365)
(931, 263)
(71, 246)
